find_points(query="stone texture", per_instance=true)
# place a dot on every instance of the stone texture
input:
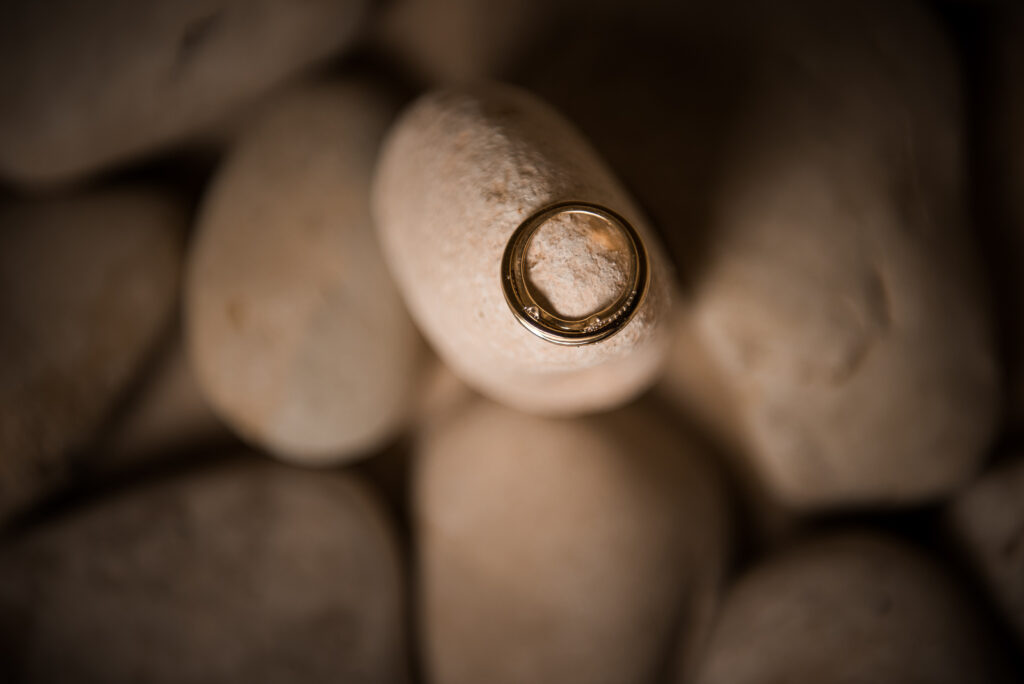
(849, 609)
(244, 573)
(563, 550)
(987, 519)
(841, 299)
(822, 240)
(298, 336)
(459, 172)
(87, 284)
(87, 85)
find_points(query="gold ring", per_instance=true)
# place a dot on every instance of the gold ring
(572, 331)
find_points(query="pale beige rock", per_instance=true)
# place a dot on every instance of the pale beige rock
(246, 573)
(838, 295)
(852, 608)
(987, 519)
(86, 85)
(87, 284)
(563, 550)
(298, 336)
(459, 172)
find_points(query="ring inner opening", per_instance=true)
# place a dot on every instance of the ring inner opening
(577, 264)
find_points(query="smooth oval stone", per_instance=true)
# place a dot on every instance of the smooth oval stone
(87, 85)
(460, 171)
(88, 283)
(299, 338)
(244, 573)
(987, 519)
(838, 293)
(563, 550)
(850, 608)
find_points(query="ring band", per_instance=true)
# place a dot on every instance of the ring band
(572, 331)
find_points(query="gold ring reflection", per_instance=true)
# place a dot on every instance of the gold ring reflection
(572, 331)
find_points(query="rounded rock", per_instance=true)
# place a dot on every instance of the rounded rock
(87, 85)
(250, 572)
(851, 608)
(563, 550)
(839, 295)
(298, 336)
(460, 171)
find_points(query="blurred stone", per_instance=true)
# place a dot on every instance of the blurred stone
(243, 573)
(805, 162)
(298, 337)
(853, 608)
(566, 550)
(987, 519)
(841, 297)
(87, 285)
(87, 85)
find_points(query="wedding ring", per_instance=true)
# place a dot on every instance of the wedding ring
(572, 331)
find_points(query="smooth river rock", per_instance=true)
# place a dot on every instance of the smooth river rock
(563, 550)
(849, 608)
(838, 292)
(88, 85)
(298, 337)
(250, 572)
